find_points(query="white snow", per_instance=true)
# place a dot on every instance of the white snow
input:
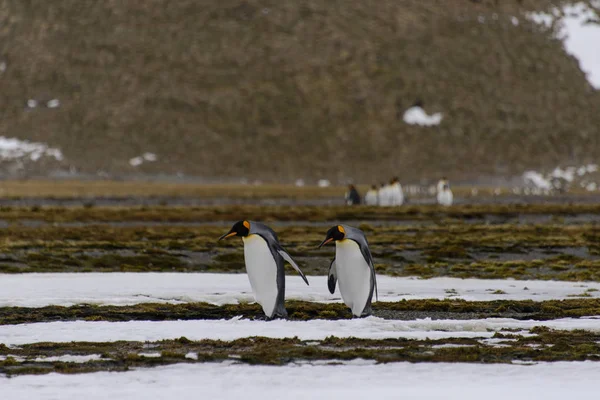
(16, 358)
(136, 161)
(31, 103)
(544, 181)
(417, 116)
(591, 168)
(420, 381)
(67, 289)
(323, 183)
(70, 358)
(139, 160)
(63, 358)
(537, 180)
(150, 156)
(568, 174)
(236, 328)
(13, 148)
(54, 103)
(580, 37)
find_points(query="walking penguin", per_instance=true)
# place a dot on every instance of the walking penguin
(264, 258)
(353, 268)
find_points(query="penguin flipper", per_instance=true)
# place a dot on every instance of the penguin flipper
(364, 249)
(288, 258)
(332, 279)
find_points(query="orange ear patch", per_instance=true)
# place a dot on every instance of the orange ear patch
(341, 229)
(246, 224)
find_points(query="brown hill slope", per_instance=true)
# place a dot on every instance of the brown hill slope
(286, 89)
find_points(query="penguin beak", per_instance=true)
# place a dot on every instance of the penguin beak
(324, 242)
(225, 236)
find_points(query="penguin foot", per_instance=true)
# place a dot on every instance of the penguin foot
(278, 316)
(366, 312)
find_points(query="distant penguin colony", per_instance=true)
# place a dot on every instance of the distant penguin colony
(264, 258)
(392, 194)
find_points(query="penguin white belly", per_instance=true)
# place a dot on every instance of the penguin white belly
(353, 274)
(445, 197)
(397, 196)
(262, 272)
(371, 198)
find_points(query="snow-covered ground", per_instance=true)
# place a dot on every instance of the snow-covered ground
(567, 174)
(38, 290)
(15, 149)
(425, 381)
(235, 328)
(70, 358)
(579, 29)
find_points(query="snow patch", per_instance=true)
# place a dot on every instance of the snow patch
(548, 381)
(16, 149)
(16, 358)
(54, 103)
(417, 116)
(537, 180)
(67, 289)
(70, 358)
(558, 177)
(139, 160)
(235, 328)
(578, 27)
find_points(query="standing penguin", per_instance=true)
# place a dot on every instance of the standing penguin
(396, 192)
(353, 267)
(444, 194)
(371, 198)
(384, 195)
(264, 259)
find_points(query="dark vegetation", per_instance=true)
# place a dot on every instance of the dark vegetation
(302, 311)
(495, 213)
(422, 241)
(279, 90)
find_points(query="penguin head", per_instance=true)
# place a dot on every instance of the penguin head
(445, 183)
(240, 228)
(336, 233)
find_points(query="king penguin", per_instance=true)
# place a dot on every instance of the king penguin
(444, 194)
(353, 268)
(264, 258)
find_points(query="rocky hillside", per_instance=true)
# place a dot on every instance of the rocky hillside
(279, 90)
